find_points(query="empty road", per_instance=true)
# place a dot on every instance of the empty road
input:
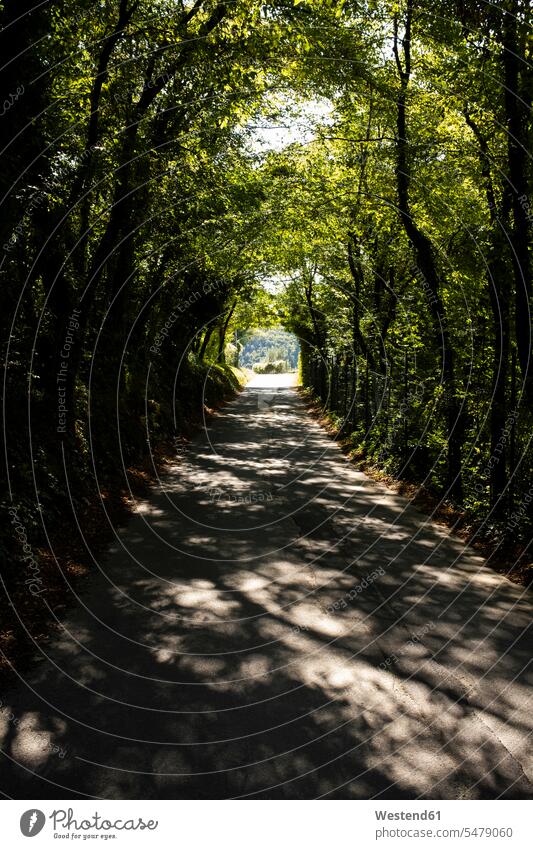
(273, 624)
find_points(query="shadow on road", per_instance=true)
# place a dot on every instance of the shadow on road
(272, 624)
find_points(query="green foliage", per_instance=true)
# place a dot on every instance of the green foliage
(271, 367)
(136, 192)
(268, 346)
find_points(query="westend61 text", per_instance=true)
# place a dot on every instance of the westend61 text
(407, 815)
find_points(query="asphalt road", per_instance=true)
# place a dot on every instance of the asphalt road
(273, 624)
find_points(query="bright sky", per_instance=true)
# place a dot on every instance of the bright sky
(296, 122)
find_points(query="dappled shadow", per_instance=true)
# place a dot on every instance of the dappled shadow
(272, 624)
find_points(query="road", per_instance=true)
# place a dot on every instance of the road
(272, 623)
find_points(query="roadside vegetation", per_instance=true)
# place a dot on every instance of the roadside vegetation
(353, 177)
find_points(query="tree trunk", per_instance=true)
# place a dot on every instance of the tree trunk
(427, 270)
(517, 97)
(222, 333)
(498, 292)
